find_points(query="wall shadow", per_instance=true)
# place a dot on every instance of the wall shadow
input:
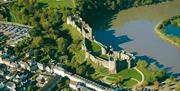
(120, 65)
(104, 23)
(110, 39)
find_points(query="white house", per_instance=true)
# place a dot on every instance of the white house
(11, 86)
(23, 64)
(48, 69)
(1, 85)
(40, 66)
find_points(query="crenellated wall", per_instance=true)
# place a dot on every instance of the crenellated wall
(81, 26)
(114, 56)
(110, 65)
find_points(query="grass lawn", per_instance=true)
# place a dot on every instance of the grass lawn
(104, 57)
(57, 3)
(95, 46)
(92, 46)
(100, 71)
(128, 73)
(112, 78)
(147, 74)
(80, 56)
(72, 31)
(129, 83)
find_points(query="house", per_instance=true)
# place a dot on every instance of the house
(10, 75)
(23, 64)
(16, 80)
(1, 60)
(54, 62)
(1, 52)
(3, 67)
(32, 68)
(42, 80)
(13, 58)
(2, 86)
(82, 87)
(40, 66)
(48, 69)
(31, 62)
(14, 65)
(32, 65)
(6, 62)
(22, 75)
(5, 56)
(1, 72)
(11, 86)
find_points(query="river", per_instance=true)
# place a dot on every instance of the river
(133, 30)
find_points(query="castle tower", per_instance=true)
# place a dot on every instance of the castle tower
(112, 67)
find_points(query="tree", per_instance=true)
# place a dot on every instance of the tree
(160, 74)
(156, 84)
(113, 5)
(29, 88)
(20, 2)
(35, 32)
(142, 64)
(79, 57)
(81, 70)
(37, 42)
(153, 68)
(145, 83)
(25, 11)
(62, 44)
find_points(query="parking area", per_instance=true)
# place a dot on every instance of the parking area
(14, 32)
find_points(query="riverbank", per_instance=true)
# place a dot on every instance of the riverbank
(133, 30)
(164, 37)
(160, 30)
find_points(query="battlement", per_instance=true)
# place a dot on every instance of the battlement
(113, 56)
(81, 26)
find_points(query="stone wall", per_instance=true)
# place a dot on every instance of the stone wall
(81, 26)
(110, 65)
(86, 31)
(77, 78)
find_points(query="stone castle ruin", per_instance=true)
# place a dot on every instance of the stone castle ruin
(113, 56)
(81, 26)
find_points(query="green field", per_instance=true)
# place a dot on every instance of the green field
(95, 46)
(72, 31)
(92, 46)
(147, 74)
(104, 57)
(58, 3)
(127, 73)
(129, 83)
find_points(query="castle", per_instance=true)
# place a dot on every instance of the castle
(113, 56)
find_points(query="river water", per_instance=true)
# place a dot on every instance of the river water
(133, 30)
